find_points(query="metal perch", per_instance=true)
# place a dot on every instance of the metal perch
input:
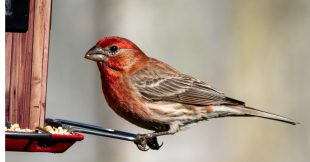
(73, 126)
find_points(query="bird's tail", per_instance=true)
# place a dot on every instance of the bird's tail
(221, 111)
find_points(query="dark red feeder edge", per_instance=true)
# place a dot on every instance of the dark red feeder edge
(40, 142)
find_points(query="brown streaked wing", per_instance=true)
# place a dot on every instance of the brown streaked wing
(164, 84)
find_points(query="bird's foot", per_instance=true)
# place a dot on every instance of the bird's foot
(144, 140)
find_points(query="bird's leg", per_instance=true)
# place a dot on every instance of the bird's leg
(142, 141)
(150, 139)
(155, 134)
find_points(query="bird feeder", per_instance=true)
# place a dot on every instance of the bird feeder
(26, 61)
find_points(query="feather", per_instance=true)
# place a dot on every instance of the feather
(162, 83)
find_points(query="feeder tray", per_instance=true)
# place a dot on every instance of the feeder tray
(59, 143)
(40, 142)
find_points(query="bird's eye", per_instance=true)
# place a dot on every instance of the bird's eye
(113, 49)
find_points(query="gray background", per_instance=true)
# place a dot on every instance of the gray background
(255, 51)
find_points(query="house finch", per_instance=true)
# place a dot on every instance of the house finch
(154, 96)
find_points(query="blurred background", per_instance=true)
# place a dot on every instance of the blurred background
(255, 51)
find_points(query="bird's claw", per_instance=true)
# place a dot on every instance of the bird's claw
(141, 142)
(144, 140)
(153, 143)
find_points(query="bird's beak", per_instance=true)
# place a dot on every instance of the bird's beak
(96, 54)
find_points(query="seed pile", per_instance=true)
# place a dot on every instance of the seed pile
(54, 130)
(15, 128)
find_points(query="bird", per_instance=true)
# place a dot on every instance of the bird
(153, 95)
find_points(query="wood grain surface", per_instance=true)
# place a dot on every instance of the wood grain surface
(26, 68)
